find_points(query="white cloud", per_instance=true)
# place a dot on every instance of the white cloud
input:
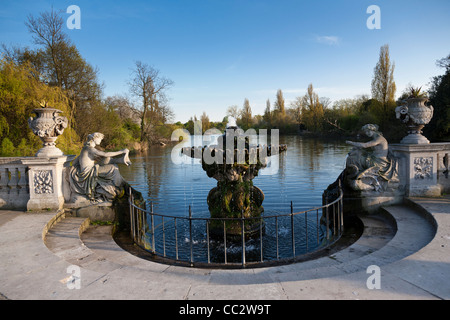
(329, 40)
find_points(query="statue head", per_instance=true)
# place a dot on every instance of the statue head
(371, 129)
(94, 139)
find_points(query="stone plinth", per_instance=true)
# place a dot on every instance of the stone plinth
(45, 176)
(95, 212)
(419, 167)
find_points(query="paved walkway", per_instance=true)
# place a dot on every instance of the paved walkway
(414, 263)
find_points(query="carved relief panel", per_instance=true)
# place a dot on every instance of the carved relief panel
(423, 168)
(43, 182)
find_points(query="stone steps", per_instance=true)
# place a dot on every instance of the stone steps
(63, 239)
(391, 236)
(413, 232)
(397, 233)
(74, 240)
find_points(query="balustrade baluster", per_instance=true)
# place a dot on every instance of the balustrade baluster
(4, 178)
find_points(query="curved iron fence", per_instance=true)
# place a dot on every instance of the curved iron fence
(172, 237)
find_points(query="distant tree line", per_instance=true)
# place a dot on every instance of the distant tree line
(317, 116)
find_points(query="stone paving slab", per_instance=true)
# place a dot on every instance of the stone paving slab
(414, 264)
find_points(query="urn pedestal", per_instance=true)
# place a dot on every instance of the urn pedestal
(47, 168)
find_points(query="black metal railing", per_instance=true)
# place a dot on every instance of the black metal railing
(149, 228)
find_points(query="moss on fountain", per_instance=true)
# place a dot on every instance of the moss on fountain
(235, 196)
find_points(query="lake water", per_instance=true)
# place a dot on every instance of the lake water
(304, 172)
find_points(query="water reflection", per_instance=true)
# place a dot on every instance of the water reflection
(305, 170)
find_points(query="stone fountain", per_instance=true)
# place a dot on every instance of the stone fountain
(234, 167)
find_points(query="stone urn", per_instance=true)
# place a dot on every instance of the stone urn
(416, 114)
(48, 125)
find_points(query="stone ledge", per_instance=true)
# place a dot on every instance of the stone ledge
(60, 214)
(95, 212)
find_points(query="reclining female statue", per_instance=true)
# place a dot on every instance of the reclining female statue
(94, 174)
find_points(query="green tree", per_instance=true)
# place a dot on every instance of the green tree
(267, 117)
(296, 110)
(20, 93)
(205, 122)
(383, 84)
(383, 90)
(233, 111)
(439, 127)
(59, 63)
(279, 103)
(313, 114)
(189, 126)
(246, 115)
(8, 149)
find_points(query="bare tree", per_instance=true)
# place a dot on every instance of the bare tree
(313, 114)
(205, 122)
(123, 107)
(297, 109)
(150, 86)
(233, 111)
(166, 113)
(48, 32)
(268, 114)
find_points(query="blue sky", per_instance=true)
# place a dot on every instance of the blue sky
(220, 52)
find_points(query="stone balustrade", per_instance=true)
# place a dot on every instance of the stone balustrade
(14, 183)
(37, 183)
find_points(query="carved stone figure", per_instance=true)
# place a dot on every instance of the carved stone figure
(234, 167)
(369, 165)
(94, 174)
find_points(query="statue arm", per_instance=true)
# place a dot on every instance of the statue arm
(356, 144)
(99, 153)
(369, 144)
